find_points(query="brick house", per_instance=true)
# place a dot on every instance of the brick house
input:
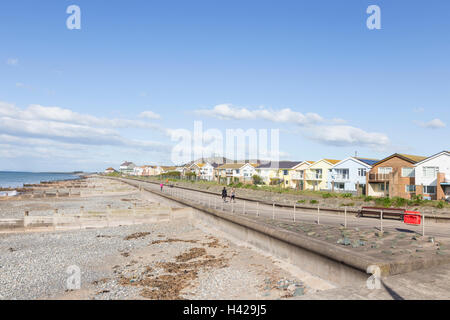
(393, 176)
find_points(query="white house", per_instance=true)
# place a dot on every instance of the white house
(433, 176)
(236, 172)
(127, 167)
(204, 171)
(350, 174)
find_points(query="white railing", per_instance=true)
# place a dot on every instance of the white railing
(313, 176)
(297, 176)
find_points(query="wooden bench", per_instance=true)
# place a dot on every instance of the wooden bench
(388, 213)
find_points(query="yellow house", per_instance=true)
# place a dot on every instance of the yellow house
(297, 175)
(316, 175)
(277, 173)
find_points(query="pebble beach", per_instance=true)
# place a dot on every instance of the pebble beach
(166, 260)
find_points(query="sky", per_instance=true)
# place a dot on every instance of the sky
(133, 81)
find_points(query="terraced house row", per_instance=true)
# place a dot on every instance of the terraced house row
(399, 175)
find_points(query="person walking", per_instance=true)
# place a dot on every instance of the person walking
(224, 194)
(161, 185)
(233, 195)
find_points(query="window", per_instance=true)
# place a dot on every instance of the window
(237, 171)
(285, 172)
(382, 186)
(343, 174)
(429, 189)
(407, 172)
(318, 173)
(430, 172)
(384, 170)
(362, 172)
(340, 186)
(410, 188)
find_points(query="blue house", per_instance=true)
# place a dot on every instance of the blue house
(350, 174)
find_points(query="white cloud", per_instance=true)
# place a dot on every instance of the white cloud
(59, 127)
(229, 112)
(149, 115)
(313, 126)
(348, 136)
(38, 112)
(433, 124)
(12, 62)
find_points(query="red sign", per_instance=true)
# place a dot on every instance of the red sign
(412, 217)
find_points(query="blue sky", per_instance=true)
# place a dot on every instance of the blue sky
(74, 99)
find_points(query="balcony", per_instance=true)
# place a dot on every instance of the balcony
(297, 176)
(313, 176)
(340, 178)
(374, 177)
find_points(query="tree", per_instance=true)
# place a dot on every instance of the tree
(257, 179)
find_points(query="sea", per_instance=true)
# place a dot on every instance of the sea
(18, 179)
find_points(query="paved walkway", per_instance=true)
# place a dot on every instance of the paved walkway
(429, 284)
(279, 213)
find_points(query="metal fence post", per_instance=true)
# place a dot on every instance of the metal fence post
(381, 221)
(257, 209)
(273, 211)
(318, 214)
(345, 217)
(294, 211)
(423, 224)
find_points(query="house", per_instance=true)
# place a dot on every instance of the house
(433, 176)
(149, 170)
(297, 175)
(138, 171)
(349, 175)
(127, 167)
(268, 173)
(109, 170)
(235, 172)
(166, 169)
(145, 170)
(316, 175)
(393, 176)
(205, 171)
(276, 173)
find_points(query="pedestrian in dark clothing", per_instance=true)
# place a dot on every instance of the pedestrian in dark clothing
(224, 194)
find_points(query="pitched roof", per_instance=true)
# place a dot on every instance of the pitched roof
(126, 163)
(332, 161)
(407, 157)
(412, 157)
(370, 162)
(168, 167)
(235, 165)
(433, 156)
(279, 165)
